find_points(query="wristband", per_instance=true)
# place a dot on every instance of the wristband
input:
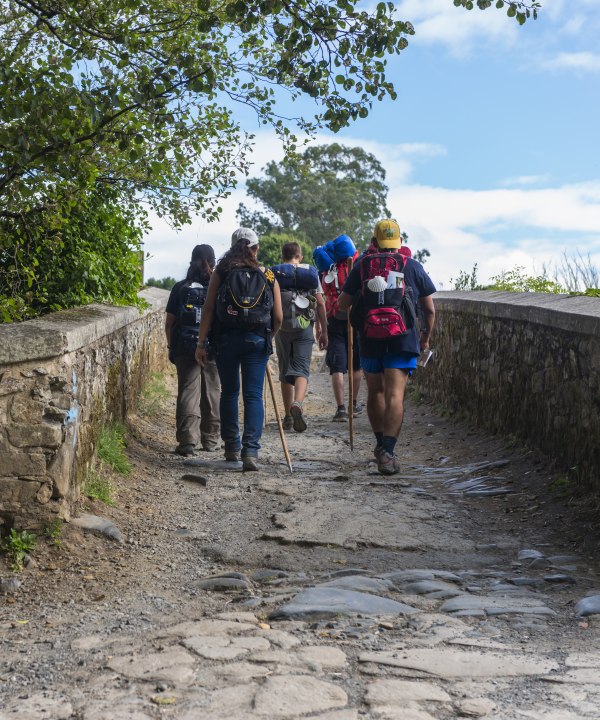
(203, 345)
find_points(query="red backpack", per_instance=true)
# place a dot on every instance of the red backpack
(385, 308)
(332, 283)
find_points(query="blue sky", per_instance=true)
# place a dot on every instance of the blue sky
(492, 149)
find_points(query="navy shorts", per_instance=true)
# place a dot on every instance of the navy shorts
(337, 349)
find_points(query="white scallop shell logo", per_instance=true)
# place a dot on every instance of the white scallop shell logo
(377, 284)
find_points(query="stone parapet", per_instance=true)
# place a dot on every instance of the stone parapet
(525, 365)
(61, 377)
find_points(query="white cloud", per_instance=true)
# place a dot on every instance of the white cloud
(439, 21)
(526, 180)
(586, 61)
(497, 228)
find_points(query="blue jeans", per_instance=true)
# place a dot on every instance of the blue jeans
(248, 351)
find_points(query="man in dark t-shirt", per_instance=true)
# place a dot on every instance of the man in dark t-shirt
(388, 363)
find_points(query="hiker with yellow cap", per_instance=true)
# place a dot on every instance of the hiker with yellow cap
(383, 291)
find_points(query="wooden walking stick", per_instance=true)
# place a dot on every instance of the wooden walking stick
(279, 425)
(350, 372)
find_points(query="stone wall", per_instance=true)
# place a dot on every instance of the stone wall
(524, 365)
(61, 377)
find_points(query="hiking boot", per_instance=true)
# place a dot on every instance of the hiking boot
(298, 417)
(232, 456)
(341, 414)
(357, 410)
(249, 463)
(187, 450)
(386, 463)
(288, 422)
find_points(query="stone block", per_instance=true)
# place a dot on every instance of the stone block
(18, 462)
(25, 410)
(44, 494)
(10, 386)
(43, 435)
(60, 468)
(16, 491)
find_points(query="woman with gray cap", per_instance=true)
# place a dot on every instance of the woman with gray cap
(241, 315)
(198, 390)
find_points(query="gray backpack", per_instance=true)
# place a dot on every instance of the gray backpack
(299, 309)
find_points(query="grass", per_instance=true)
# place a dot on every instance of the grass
(153, 397)
(52, 531)
(17, 545)
(111, 448)
(98, 486)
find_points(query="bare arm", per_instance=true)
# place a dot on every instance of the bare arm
(322, 335)
(206, 318)
(428, 311)
(277, 308)
(169, 322)
(345, 301)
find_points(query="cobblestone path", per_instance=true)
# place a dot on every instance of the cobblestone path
(329, 593)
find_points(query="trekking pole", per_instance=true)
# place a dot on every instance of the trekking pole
(350, 373)
(265, 404)
(279, 425)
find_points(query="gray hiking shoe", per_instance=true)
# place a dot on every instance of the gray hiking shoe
(341, 414)
(298, 417)
(187, 450)
(249, 463)
(288, 422)
(232, 456)
(357, 410)
(387, 464)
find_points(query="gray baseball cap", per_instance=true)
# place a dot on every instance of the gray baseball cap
(246, 234)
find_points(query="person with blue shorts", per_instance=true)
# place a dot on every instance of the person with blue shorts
(387, 362)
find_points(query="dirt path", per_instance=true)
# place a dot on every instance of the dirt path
(332, 593)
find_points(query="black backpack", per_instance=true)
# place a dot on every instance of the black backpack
(184, 335)
(245, 300)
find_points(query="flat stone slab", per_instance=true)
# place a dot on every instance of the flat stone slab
(296, 695)
(219, 647)
(360, 583)
(99, 525)
(39, 706)
(328, 602)
(398, 692)
(223, 584)
(432, 588)
(477, 604)
(174, 665)
(450, 663)
(193, 628)
(583, 660)
(588, 606)
(378, 524)
(402, 577)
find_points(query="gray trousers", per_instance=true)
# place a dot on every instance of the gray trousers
(198, 395)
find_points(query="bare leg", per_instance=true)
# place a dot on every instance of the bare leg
(287, 393)
(337, 382)
(375, 400)
(300, 388)
(357, 378)
(394, 382)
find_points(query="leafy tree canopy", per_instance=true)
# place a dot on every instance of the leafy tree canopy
(92, 253)
(165, 283)
(139, 98)
(319, 194)
(141, 95)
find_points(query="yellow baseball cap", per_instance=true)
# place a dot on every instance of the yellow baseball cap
(387, 234)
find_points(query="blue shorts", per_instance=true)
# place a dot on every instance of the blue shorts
(397, 361)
